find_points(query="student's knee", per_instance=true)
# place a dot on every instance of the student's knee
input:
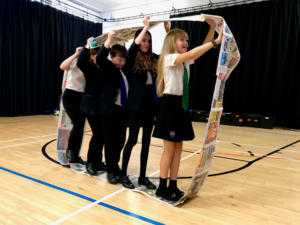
(169, 152)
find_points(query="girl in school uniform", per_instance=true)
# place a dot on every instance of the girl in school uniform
(173, 123)
(71, 100)
(90, 105)
(142, 101)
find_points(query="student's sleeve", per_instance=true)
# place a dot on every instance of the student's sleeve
(101, 58)
(73, 64)
(190, 62)
(132, 53)
(83, 60)
(170, 59)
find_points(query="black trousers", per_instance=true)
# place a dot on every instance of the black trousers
(95, 154)
(71, 101)
(114, 129)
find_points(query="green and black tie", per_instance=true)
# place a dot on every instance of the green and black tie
(185, 92)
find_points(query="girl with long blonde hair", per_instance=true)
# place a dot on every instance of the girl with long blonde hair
(173, 123)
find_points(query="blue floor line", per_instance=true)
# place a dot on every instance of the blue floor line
(84, 197)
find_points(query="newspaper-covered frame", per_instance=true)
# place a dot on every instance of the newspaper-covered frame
(229, 57)
(232, 58)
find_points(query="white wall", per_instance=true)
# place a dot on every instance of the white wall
(158, 33)
(158, 36)
(135, 8)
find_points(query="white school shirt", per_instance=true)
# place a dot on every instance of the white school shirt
(149, 78)
(75, 79)
(173, 74)
(118, 100)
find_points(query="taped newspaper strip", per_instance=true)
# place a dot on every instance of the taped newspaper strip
(126, 33)
(229, 57)
(79, 168)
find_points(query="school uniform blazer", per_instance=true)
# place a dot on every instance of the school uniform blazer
(93, 86)
(111, 81)
(137, 80)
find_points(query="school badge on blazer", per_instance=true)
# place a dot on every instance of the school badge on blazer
(172, 134)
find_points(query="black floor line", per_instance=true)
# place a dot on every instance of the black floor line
(211, 175)
(46, 155)
(231, 158)
(219, 156)
(251, 153)
(253, 161)
(236, 144)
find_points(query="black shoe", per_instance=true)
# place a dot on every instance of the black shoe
(126, 182)
(90, 168)
(166, 194)
(80, 160)
(178, 192)
(101, 167)
(146, 182)
(71, 158)
(112, 178)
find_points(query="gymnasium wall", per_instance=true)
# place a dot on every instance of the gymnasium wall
(34, 40)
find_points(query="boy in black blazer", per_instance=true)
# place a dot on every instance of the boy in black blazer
(113, 101)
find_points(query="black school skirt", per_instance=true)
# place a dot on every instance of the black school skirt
(172, 122)
(147, 110)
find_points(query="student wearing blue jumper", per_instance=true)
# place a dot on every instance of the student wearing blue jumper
(142, 101)
(113, 101)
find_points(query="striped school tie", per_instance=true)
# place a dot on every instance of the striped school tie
(185, 91)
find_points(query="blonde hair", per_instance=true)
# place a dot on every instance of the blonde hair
(169, 47)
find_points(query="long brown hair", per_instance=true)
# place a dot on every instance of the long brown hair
(169, 47)
(93, 51)
(145, 61)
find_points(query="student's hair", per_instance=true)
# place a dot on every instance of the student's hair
(145, 61)
(118, 50)
(169, 47)
(93, 51)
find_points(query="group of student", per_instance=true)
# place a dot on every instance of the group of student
(123, 92)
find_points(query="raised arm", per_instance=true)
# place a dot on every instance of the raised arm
(146, 23)
(104, 51)
(167, 26)
(110, 37)
(83, 58)
(211, 32)
(67, 63)
(198, 51)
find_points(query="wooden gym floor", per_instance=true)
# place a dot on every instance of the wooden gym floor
(255, 180)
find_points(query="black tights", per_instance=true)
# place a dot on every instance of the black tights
(131, 142)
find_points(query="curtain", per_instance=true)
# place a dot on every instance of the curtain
(266, 80)
(34, 40)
